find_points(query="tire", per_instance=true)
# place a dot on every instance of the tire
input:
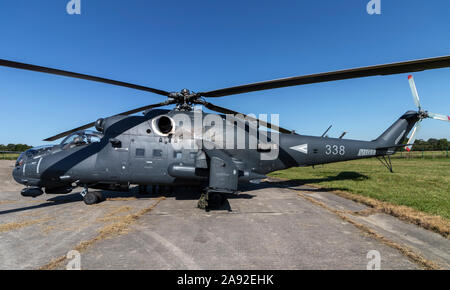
(215, 200)
(91, 198)
(99, 196)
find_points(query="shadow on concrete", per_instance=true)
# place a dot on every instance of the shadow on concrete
(193, 193)
(346, 175)
(59, 200)
(179, 193)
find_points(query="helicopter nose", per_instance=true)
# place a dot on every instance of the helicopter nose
(18, 174)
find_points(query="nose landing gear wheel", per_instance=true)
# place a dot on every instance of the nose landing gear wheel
(91, 198)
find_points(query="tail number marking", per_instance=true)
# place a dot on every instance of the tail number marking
(334, 150)
(367, 152)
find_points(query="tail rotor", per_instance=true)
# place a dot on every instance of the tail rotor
(439, 117)
(413, 136)
(422, 114)
(414, 92)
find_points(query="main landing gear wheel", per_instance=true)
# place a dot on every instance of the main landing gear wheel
(211, 200)
(216, 199)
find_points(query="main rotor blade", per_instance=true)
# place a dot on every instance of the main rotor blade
(48, 70)
(66, 133)
(385, 69)
(228, 111)
(63, 134)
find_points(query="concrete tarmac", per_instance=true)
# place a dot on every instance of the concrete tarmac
(268, 226)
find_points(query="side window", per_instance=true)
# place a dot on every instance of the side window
(157, 153)
(140, 152)
(177, 154)
(94, 139)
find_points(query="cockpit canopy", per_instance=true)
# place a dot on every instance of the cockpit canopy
(37, 151)
(80, 138)
(33, 153)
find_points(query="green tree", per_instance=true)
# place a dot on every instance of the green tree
(15, 147)
(442, 144)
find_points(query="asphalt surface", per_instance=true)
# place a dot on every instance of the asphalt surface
(268, 226)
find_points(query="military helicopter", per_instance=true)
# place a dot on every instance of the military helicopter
(162, 148)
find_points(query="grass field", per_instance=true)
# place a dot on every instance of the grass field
(421, 154)
(422, 184)
(7, 156)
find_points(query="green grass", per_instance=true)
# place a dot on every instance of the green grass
(422, 184)
(8, 156)
(421, 154)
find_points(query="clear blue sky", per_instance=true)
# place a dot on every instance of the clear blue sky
(205, 45)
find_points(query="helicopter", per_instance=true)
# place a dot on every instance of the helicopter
(185, 147)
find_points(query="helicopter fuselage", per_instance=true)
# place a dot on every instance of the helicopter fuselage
(159, 148)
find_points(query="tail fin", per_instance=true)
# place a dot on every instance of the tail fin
(395, 135)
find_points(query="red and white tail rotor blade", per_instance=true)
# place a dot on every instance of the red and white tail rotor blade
(439, 117)
(413, 136)
(415, 94)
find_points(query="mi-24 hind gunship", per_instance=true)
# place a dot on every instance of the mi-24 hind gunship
(166, 148)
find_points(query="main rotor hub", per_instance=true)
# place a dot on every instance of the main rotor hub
(185, 92)
(184, 99)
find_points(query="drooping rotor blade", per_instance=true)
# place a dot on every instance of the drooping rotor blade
(439, 117)
(228, 111)
(48, 70)
(386, 69)
(414, 92)
(63, 134)
(413, 136)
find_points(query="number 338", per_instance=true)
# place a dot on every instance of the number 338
(335, 150)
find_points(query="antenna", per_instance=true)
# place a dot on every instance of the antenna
(326, 131)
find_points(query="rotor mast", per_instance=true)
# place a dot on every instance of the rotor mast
(184, 99)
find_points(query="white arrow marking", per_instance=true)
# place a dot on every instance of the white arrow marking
(301, 148)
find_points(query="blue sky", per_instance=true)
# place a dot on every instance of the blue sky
(204, 45)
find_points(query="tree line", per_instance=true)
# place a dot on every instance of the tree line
(15, 147)
(431, 145)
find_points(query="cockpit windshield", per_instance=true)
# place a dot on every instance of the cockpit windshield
(19, 160)
(36, 151)
(80, 138)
